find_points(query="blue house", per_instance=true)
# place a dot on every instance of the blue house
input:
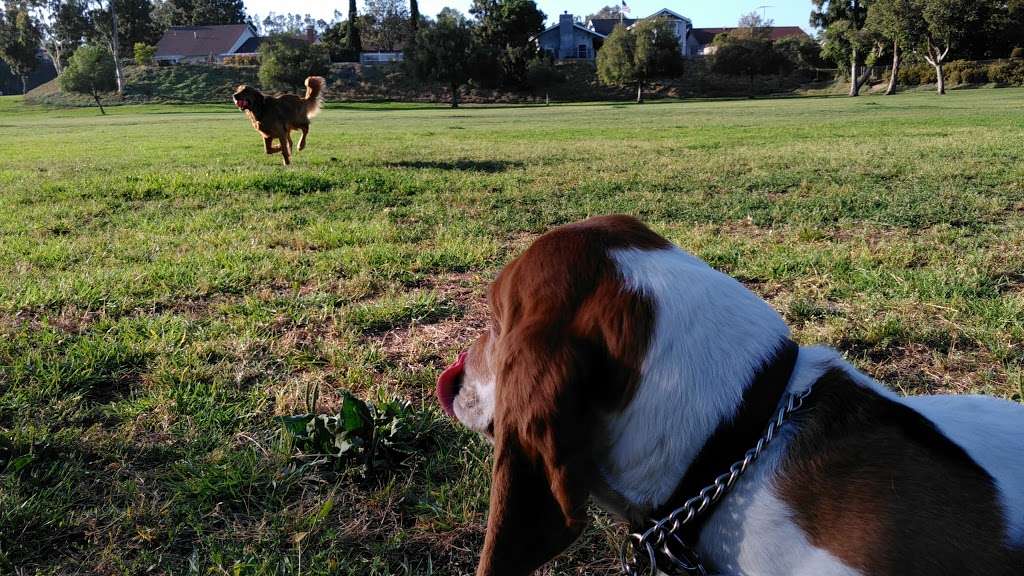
(569, 40)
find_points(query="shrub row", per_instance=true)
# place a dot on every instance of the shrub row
(1003, 72)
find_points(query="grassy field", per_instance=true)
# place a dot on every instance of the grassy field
(166, 290)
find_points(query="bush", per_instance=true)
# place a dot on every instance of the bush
(1009, 73)
(244, 60)
(1017, 53)
(286, 62)
(916, 74)
(964, 72)
(144, 53)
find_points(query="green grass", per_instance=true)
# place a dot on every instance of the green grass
(166, 290)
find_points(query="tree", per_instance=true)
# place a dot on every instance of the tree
(443, 52)
(198, 12)
(218, 12)
(503, 37)
(388, 24)
(90, 71)
(943, 24)
(335, 39)
(845, 39)
(542, 74)
(134, 23)
(144, 53)
(64, 25)
(288, 23)
(752, 25)
(748, 53)
(607, 13)
(286, 61)
(106, 29)
(19, 41)
(896, 21)
(414, 16)
(803, 52)
(353, 37)
(649, 50)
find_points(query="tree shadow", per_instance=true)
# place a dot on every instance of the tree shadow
(486, 166)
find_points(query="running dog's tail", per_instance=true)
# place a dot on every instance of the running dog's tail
(314, 94)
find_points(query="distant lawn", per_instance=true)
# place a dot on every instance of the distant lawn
(166, 290)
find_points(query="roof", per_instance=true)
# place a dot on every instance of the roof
(200, 40)
(670, 14)
(575, 25)
(706, 35)
(250, 46)
(604, 26)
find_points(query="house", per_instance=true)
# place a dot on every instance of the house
(192, 44)
(569, 40)
(702, 38)
(680, 24)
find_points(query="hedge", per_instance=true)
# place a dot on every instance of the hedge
(1002, 72)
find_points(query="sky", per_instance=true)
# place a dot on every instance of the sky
(703, 13)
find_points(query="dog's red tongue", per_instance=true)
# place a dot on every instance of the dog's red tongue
(446, 385)
(241, 104)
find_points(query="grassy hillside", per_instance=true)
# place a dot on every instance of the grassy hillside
(355, 83)
(169, 291)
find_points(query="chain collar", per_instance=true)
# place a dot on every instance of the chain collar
(641, 552)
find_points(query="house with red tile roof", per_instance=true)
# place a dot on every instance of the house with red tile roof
(702, 38)
(191, 44)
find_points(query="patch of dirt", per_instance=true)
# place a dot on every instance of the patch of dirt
(430, 345)
(918, 369)
(70, 319)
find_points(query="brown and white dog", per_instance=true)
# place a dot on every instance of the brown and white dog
(619, 366)
(275, 117)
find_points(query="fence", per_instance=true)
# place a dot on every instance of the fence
(380, 57)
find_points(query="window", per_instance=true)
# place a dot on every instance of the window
(581, 51)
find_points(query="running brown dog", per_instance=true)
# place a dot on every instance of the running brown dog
(274, 117)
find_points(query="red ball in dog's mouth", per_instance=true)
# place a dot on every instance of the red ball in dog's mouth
(448, 385)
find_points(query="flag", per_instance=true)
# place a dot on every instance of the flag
(625, 7)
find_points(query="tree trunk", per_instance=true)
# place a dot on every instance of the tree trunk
(98, 103)
(936, 58)
(854, 76)
(455, 95)
(24, 85)
(114, 49)
(895, 69)
(640, 92)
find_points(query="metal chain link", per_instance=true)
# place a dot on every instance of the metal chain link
(646, 548)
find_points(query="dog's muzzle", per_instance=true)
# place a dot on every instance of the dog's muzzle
(241, 104)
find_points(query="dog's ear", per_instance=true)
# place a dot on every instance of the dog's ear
(538, 489)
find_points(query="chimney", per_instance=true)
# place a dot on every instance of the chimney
(566, 35)
(310, 35)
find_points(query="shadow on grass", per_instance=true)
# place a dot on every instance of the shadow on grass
(487, 166)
